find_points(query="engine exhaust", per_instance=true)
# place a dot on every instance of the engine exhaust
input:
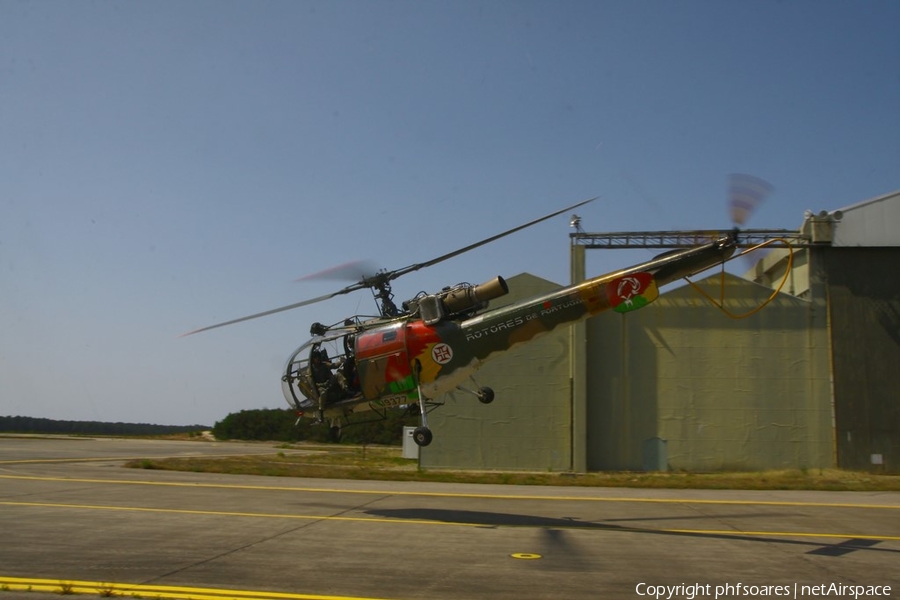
(464, 298)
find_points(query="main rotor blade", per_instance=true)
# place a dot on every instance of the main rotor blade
(415, 267)
(366, 282)
(346, 290)
(356, 270)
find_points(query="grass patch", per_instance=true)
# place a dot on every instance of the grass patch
(386, 463)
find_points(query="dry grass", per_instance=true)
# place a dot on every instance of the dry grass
(386, 463)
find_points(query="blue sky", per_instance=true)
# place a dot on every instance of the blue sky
(168, 165)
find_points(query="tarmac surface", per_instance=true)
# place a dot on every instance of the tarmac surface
(72, 520)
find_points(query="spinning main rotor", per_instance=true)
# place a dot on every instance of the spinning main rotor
(380, 281)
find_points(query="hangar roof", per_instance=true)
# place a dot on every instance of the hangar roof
(874, 222)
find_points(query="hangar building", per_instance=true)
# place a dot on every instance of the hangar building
(854, 264)
(810, 381)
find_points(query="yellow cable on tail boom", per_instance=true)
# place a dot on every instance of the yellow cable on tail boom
(721, 303)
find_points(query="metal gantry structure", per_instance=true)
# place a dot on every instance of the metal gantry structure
(747, 238)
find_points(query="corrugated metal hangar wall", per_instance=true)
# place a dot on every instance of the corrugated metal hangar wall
(864, 298)
(863, 288)
(529, 424)
(810, 381)
(681, 386)
(852, 263)
(676, 385)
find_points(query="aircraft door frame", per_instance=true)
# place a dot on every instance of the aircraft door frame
(382, 360)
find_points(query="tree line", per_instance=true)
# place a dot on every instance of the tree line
(39, 425)
(266, 424)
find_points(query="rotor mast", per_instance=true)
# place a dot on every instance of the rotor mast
(384, 297)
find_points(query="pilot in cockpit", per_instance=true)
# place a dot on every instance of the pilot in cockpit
(328, 378)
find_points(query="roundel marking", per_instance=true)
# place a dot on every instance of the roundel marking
(442, 353)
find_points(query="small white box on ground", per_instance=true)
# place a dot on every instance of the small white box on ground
(410, 448)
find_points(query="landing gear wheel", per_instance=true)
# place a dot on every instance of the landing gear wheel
(422, 436)
(334, 433)
(485, 395)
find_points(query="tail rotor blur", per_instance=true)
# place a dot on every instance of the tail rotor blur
(746, 193)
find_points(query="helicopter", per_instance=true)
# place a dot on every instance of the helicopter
(408, 357)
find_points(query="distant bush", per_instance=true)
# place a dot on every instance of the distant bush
(282, 425)
(388, 432)
(260, 424)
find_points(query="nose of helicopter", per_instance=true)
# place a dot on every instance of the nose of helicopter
(297, 386)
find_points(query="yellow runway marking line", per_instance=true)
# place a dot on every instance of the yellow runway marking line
(458, 494)
(780, 534)
(599, 527)
(64, 586)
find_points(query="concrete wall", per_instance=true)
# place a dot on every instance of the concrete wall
(679, 385)
(528, 426)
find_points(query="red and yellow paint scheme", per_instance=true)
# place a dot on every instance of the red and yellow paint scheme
(409, 361)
